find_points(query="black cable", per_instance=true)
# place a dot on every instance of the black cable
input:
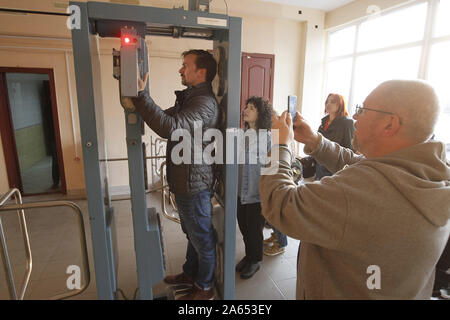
(135, 293)
(122, 293)
(226, 4)
(35, 12)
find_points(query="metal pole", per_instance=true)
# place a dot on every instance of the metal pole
(7, 263)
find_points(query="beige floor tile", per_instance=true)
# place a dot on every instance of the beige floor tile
(258, 290)
(287, 288)
(278, 268)
(58, 269)
(89, 295)
(55, 245)
(47, 288)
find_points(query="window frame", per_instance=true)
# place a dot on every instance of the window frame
(425, 43)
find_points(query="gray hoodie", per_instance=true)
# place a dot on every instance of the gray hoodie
(374, 230)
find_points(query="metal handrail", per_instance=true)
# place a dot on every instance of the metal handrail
(79, 214)
(156, 147)
(163, 197)
(4, 248)
(125, 159)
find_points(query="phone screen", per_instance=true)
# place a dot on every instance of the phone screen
(292, 106)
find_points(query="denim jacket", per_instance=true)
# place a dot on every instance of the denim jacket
(248, 190)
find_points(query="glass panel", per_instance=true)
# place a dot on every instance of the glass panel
(371, 70)
(341, 42)
(31, 111)
(403, 26)
(339, 74)
(442, 27)
(439, 76)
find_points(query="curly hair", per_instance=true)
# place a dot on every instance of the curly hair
(265, 111)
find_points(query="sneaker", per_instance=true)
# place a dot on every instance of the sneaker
(270, 240)
(242, 264)
(181, 278)
(250, 270)
(274, 250)
(198, 294)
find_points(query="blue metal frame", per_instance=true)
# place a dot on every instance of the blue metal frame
(147, 246)
(101, 242)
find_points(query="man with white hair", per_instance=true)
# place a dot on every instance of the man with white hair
(377, 227)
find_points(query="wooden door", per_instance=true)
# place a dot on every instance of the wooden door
(8, 138)
(257, 77)
(8, 134)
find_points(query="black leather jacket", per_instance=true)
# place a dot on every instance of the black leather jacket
(192, 104)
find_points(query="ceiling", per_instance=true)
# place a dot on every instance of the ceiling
(326, 5)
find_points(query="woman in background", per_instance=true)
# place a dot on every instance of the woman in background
(336, 126)
(257, 115)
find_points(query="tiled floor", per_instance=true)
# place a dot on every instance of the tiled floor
(54, 244)
(38, 178)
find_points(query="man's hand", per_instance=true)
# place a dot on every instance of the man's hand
(282, 128)
(304, 134)
(142, 83)
(127, 102)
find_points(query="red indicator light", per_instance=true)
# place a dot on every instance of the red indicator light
(126, 40)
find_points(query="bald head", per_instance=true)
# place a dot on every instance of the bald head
(414, 101)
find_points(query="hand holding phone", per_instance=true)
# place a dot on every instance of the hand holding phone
(292, 106)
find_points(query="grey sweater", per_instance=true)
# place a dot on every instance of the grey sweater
(390, 213)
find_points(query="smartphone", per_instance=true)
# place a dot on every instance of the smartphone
(292, 106)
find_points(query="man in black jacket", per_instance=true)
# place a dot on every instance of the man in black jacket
(195, 108)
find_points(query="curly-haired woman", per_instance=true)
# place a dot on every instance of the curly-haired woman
(257, 116)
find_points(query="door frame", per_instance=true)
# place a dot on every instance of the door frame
(272, 68)
(272, 72)
(7, 128)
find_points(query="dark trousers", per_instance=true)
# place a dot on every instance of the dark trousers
(251, 224)
(195, 217)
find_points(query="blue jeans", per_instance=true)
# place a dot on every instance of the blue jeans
(281, 237)
(195, 217)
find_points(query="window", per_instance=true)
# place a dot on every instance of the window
(342, 42)
(402, 26)
(412, 42)
(372, 69)
(339, 76)
(442, 27)
(439, 76)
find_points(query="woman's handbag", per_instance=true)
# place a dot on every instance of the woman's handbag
(309, 166)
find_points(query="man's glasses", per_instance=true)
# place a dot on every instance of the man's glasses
(359, 110)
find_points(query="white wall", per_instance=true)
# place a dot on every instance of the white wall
(51, 56)
(164, 62)
(267, 28)
(313, 70)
